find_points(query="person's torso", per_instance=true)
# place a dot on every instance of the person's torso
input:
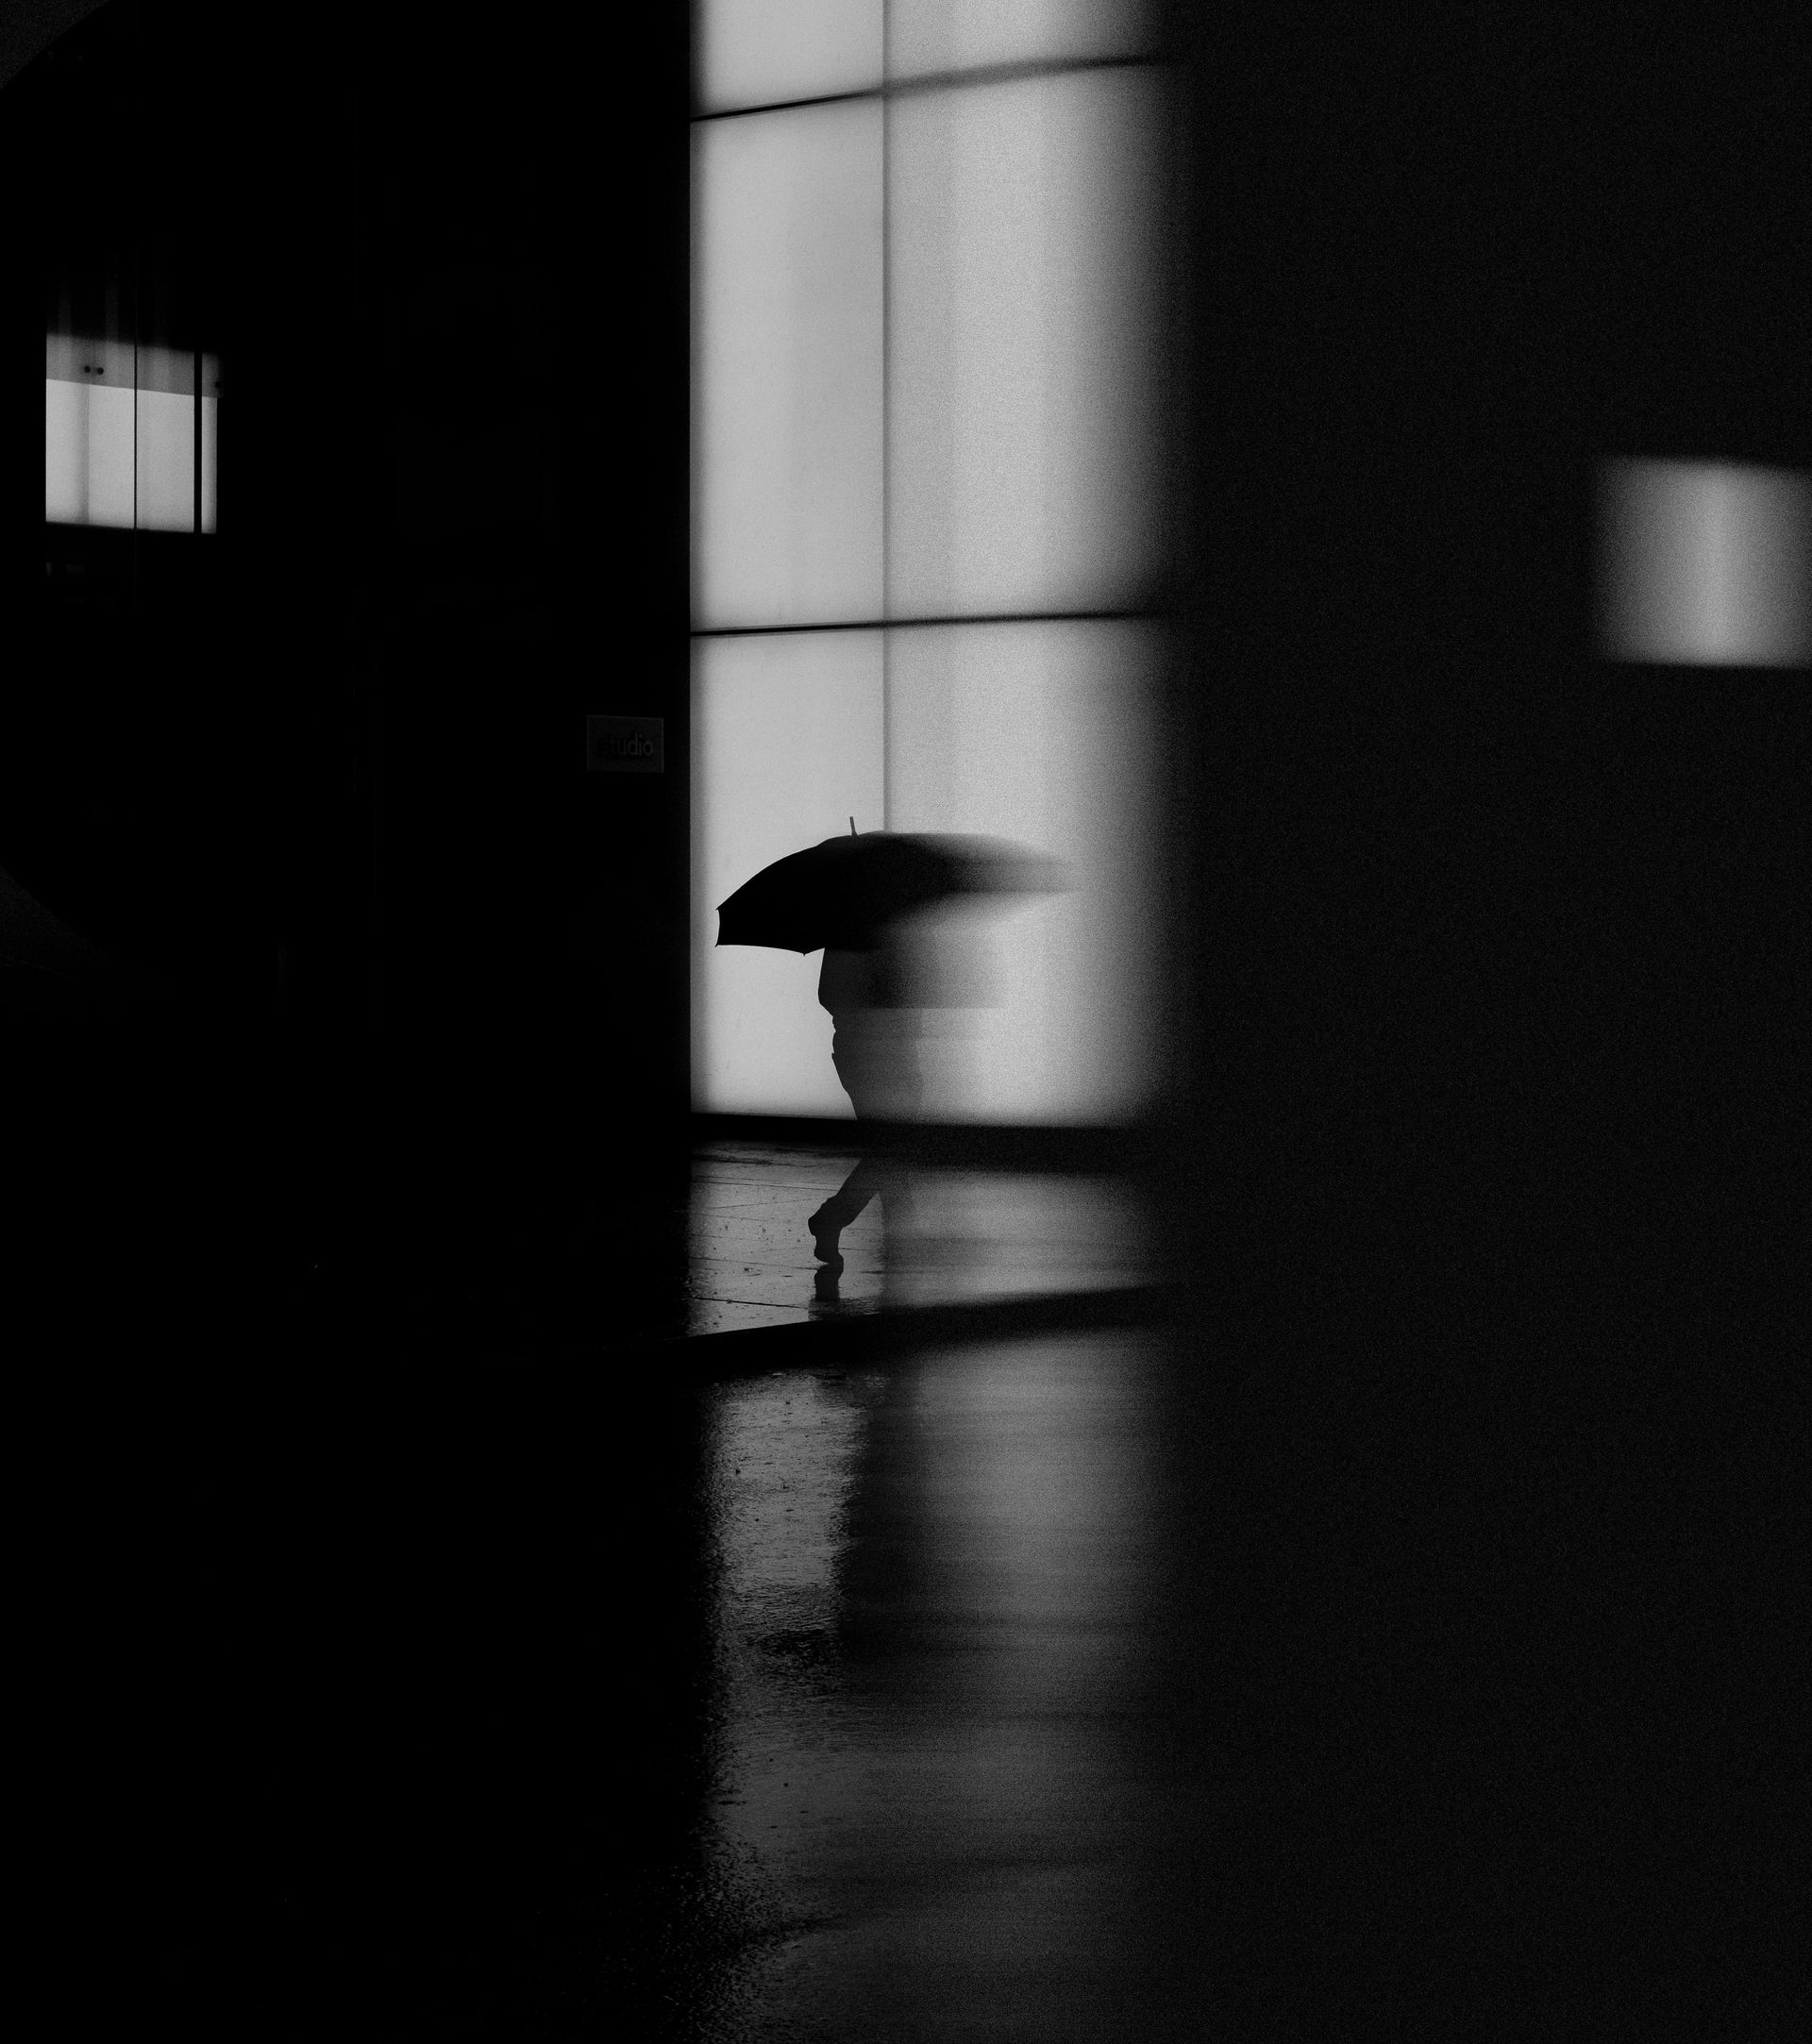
(849, 982)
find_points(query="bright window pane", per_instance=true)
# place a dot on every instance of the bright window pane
(786, 747)
(1020, 276)
(928, 36)
(119, 436)
(754, 53)
(1041, 733)
(787, 380)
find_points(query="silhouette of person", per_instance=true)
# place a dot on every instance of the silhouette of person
(873, 1002)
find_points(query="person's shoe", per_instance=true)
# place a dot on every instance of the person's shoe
(824, 1242)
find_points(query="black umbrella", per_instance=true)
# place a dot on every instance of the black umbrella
(842, 893)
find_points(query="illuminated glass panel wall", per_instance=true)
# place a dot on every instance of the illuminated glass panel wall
(924, 521)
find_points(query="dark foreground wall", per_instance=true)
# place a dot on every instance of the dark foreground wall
(1498, 1179)
(418, 1015)
(326, 768)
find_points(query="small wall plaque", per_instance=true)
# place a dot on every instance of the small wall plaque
(624, 745)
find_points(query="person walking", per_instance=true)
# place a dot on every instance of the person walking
(872, 905)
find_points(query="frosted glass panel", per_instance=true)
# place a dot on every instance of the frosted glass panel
(1042, 733)
(116, 455)
(167, 472)
(786, 747)
(1706, 563)
(1021, 273)
(787, 368)
(88, 455)
(752, 53)
(958, 35)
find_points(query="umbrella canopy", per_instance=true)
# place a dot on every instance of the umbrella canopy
(841, 895)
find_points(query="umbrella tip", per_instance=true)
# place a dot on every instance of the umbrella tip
(852, 827)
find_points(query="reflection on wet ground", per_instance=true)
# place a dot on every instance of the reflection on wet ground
(973, 1235)
(927, 1620)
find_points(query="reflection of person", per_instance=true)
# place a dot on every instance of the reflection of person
(873, 1003)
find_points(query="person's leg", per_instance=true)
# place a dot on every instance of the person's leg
(837, 1212)
(864, 1054)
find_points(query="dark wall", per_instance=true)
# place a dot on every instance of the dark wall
(325, 775)
(523, 235)
(1434, 278)
(1499, 1157)
(324, 771)
(129, 751)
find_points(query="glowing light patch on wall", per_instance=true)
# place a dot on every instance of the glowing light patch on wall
(1706, 563)
(119, 436)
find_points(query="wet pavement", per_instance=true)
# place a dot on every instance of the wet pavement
(928, 1628)
(975, 1236)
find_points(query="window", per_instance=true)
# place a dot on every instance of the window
(120, 435)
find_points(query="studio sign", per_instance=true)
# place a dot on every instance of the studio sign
(624, 745)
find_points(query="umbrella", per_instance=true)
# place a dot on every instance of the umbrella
(841, 894)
